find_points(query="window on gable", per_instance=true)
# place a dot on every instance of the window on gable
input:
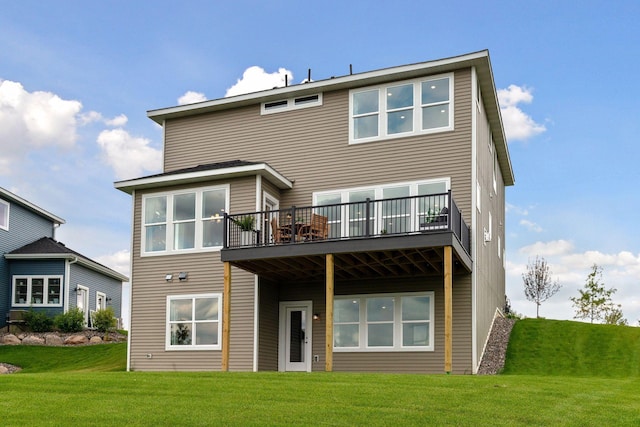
(194, 322)
(37, 291)
(4, 215)
(183, 221)
(291, 103)
(385, 322)
(408, 108)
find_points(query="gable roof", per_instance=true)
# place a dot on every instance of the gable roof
(478, 60)
(13, 198)
(47, 248)
(221, 170)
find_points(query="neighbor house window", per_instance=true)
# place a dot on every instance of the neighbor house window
(408, 108)
(4, 215)
(194, 322)
(37, 291)
(384, 322)
(184, 221)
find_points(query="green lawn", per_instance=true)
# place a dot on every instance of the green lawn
(87, 386)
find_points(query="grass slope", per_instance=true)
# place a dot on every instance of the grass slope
(560, 347)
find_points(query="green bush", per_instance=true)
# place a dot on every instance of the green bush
(104, 320)
(71, 321)
(38, 321)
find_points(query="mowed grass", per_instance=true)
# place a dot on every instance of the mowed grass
(64, 388)
(562, 347)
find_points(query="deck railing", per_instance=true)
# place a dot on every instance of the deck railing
(354, 220)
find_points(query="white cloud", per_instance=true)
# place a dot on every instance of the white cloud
(191, 97)
(545, 249)
(255, 79)
(119, 261)
(117, 121)
(33, 120)
(129, 156)
(94, 116)
(517, 124)
(532, 226)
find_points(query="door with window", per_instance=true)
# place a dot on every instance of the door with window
(270, 206)
(295, 336)
(82, 302)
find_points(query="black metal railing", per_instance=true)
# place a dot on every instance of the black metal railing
(354, 220)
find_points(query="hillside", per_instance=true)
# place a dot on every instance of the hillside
(567, 348)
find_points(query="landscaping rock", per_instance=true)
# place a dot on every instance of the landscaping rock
(52, 339)
(11, 339)
(76, 340)
(494, 355)
(4, 370)
(95, 340)
(32, 340)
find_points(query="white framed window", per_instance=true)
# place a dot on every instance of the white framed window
(101, 300)
(393, 216)
(405, 108)
(4, 215)
(182, 221)
(384, 322)
(289, 104)
(37, 291)
(194, 322)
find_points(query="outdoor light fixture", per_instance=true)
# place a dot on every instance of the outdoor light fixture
(182, 276)
(168, 277)
(316, 316)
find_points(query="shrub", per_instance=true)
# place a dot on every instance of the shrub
(71, 321)
(104, 320)
(37, 321)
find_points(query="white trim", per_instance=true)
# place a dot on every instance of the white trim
(104, 299)
(475, 189)
(169, 222)
(92, 265)
(207, 175)
(308, 305)
(397, 323)
(86, 302)
(192, 347)
(17, 199)
(416, 109)
(132, 214)
(45, 290)
(4, 222)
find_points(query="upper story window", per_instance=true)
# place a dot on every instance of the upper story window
(291, 103)
(403, 109)
(4, 215)
(37, 291)
(181, 221)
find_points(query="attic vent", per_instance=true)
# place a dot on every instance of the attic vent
(291, 104)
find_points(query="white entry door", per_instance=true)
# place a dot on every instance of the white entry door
(295, 336)
(82, 302)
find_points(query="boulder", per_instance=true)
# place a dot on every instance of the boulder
(76, 340)
(95, 340)
(52, 339)
(4, 370)
(11, 339)
(32, 340)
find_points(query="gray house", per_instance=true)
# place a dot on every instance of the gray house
(39, 273)
(348, 224)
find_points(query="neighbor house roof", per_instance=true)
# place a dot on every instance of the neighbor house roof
(8, 195)
(48, 248)
(222, 170)
(479, 60)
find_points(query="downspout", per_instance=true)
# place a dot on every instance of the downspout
(67, 281)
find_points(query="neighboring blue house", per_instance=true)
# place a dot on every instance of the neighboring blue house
(40, 273)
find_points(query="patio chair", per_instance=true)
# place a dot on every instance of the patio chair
(318, 228)
(280, 235)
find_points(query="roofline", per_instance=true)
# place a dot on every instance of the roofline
(81, 260)
(31, 206)
(190, 177)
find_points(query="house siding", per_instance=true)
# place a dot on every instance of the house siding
(149, 292)
(24, 227)
(95, 282)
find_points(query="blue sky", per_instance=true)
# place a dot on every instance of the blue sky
(76, 80)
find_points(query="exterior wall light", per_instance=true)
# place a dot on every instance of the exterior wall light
(183, 276)
(168, 277)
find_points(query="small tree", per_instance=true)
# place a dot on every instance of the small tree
(614, 316)
(538, 285)
(594, 302)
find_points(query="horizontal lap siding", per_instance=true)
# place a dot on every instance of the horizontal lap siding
(268, 328)
(205, 275)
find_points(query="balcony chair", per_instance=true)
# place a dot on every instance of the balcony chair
(280, 235)
(318, 228)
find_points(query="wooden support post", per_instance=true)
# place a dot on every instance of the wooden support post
(448, 308)
(226, 316)
(329, 316)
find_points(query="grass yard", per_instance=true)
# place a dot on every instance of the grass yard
(560, 374)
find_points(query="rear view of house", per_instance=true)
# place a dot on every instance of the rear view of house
(348, 224)
(39, 273)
